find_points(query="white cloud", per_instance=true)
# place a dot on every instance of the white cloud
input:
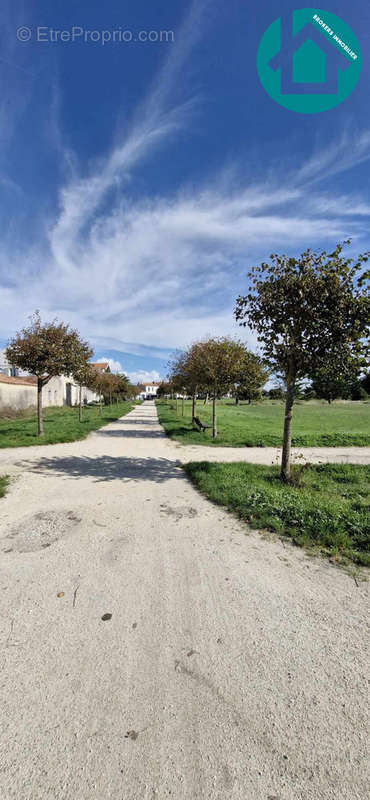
(143, 376)
(348, 150)
(164, 271)
(152, 274)
(114, 366)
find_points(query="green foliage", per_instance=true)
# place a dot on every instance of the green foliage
(311, 315)
(61, 425)
(216, 366)
(260, 425)
(329, 511)
(276, 393)
(365, 383)
(252, 376)
(358, 392)
(164, 388)
(330, 383)
(4, 481)
(212, 365)
(48, 349)
(306, 309)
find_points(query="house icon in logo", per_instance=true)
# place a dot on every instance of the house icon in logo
(308, 60)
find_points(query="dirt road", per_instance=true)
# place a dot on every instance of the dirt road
(230, 667)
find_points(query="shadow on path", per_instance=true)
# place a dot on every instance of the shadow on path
(107, 468)
(127, 433)
(138, 421)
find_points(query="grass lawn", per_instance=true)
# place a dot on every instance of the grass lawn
(4, 480)
(315, 423)
(60, 425)
(328, 512)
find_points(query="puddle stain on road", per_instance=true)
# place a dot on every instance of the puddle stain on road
(41, 530)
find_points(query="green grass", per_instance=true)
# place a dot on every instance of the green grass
(4, 480)
(315, 423)
(329, 512)
(60, 425)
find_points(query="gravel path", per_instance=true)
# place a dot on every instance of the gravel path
(231, 666)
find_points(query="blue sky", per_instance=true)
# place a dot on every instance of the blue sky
(139, 181)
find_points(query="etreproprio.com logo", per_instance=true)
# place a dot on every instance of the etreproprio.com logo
(309, 61)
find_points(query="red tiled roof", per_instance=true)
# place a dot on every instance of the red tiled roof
(100, 365)
(24, 381)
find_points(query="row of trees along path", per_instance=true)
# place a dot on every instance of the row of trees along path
(214, 367)
(49, 349)
(311, 315)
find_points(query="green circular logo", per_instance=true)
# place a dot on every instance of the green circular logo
(309, 60)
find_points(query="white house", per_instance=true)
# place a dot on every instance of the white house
(5, 367)
(148, 391)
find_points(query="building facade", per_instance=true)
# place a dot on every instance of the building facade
(148, 391)
(20, 392)
(5, 367)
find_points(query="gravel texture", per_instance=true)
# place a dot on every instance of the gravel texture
(152, 647)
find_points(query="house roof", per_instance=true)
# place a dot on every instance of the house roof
(100, 365)
(152, 383)
(19, 381)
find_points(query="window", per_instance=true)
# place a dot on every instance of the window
(49, 397)
(55, 397)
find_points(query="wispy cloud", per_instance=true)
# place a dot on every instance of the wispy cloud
(350, 149)
(165, 270)
(150, 274)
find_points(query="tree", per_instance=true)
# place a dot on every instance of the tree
(253, 375)
(100, 385)
(164, 389)
(307, 312)
(220, 363)
(330, 381)
(177, 375)
(47, 350)
(124, 390)
(276, 393)
(191, 368)
(83, 374)
(365, 383)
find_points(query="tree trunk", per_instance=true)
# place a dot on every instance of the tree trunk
(40, 423)
(80, 405)
(236, 400)
(287, 440)
(194, 406)
(205, 400)
(183, 406)
(100, 404)
(249, 401)
(177, 403)
(214, 415)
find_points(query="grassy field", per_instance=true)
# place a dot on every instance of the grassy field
(328, 512)
(60, 425)
(315, 423)
(3, 484)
